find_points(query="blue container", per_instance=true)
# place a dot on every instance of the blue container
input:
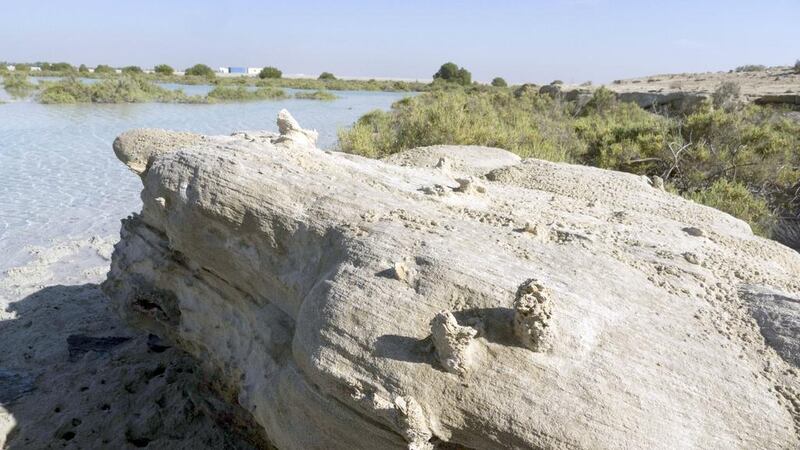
(237, 70)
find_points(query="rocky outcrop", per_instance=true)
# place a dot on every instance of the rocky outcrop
(675, 101)
(778, 99)
(351, 303)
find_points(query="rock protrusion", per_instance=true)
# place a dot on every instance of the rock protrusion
(532, 315)
(452, 342)
(290, 130)
(135, 148)
(402, 412)
(657, 182)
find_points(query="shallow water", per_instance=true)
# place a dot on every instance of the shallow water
(59, 178)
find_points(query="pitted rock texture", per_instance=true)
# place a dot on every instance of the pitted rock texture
(276, 264)
(533, 309)
(452, 341)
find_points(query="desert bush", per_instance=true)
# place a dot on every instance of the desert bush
(496, 119)
(751, 68)
(17, 84)
(200, 70)
(125, 89)
(735, 199)
(242, 93)
(326, 76)
(83, 69)
(726, 95)
(132, 70)
(452, 73)
(270, 72)
(163, 69)
(499, 82)
(316, 95)
(102, 68)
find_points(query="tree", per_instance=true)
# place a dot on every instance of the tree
(499, 82)
(270, 72)
(200, 70)
(132, 70)
(22, 68)
(83, 69)
(102, 68)
(452, 73)
(61, 67)
(327, 76)
(163, 69)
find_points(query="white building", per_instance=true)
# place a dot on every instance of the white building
(254, 70)
(36, 69)
(11, 68)
(223, 70)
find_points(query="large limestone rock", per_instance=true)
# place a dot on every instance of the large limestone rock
(352, 303)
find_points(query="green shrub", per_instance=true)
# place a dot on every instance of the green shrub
(22, 68)
(164, 69)
(796, 66)
(735, 199)
(499, 82)
(751, 68)
(125, 89)
(316, 95)
(452, 73)
(270, 72)
(242, 93)
(83, 69)
(326, 76)
(17, 84)
(726, 95)
(200, 70)
(529, 126)
(102, 69)
(132, 70)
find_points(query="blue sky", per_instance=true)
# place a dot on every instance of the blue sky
(537, 41)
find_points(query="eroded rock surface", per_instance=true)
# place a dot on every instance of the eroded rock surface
(306, 281)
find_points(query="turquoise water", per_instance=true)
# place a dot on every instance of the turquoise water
(59, 178)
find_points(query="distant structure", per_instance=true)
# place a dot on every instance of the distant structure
(11, 68)
(36, 69)
(239, 71)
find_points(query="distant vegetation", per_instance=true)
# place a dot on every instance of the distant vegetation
(102, 69)
(242, 93)
(452, 73)
(200, 70)
(751, 68)
(326, 76)
(127, 89)
(163, 69)
(316, 95)
(83, 69)
(270, 72)
(796, 66)
(742, 159)
(499, 82)
(132, 70)
(17, 84)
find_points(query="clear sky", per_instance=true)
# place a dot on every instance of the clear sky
(537, 41)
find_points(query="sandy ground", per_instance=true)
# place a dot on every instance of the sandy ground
(772, 81)
(73, 376)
